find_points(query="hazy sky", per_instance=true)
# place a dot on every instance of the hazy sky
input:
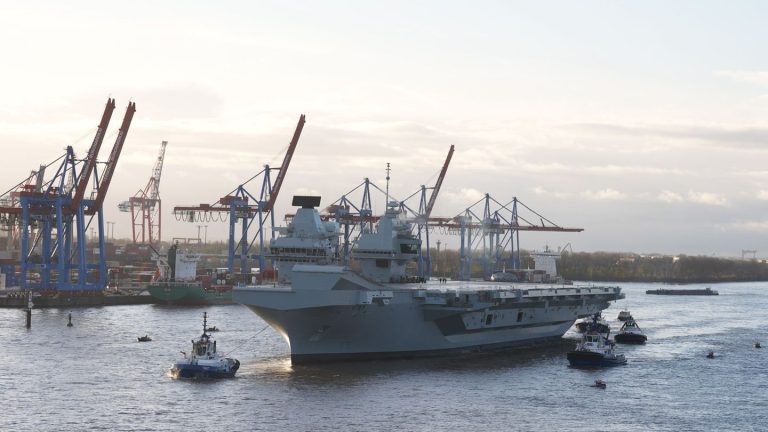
(643, 122)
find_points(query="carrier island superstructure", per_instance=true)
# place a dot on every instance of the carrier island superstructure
(329, 312)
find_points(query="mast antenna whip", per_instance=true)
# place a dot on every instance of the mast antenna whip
(388, 171)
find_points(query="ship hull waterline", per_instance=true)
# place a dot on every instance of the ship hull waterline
(189, 371)
(630, 338)
(348, 333)
(587, 359)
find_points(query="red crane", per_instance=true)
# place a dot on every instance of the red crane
(93, 152)
(438, 183)
(109, 170)
(284, 166)
(146, 206)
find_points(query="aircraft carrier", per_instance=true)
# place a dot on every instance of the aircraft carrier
(327, 312)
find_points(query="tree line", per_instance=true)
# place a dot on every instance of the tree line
(624, 267)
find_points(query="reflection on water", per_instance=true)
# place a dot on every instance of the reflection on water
(280, 369)
(95, 375)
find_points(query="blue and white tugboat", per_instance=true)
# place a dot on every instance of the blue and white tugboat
(595, 350)
(204, 362)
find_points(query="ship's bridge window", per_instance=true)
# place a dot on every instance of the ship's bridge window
(409, 248)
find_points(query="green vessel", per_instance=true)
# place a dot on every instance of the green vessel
(177, 281)
(190, 293)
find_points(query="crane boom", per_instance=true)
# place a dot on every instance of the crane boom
(93, 153)
(152, 191)
(109, 170)
(438, 183)
(284, 167)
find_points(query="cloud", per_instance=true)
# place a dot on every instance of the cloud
(753, 173)
(538, 190)
(752, 77)
(465, 195)
(751, 138)
(624, 169)
(670, 197)
(556, 167)
(707, 198)
(604, 195)
(305, 191)
(762, 195)
(760, 226)
(392, 128)
(667, 196)
(162, 103)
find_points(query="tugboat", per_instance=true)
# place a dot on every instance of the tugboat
(595, 322)
(204, 362)
(595, 350)
(144, 338)
(624, 315)
(630, 333)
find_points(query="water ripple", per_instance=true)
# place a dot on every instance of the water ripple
(95, 376)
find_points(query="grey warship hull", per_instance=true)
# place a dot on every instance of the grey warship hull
(326, 311)
(344, 317)
(394, 333)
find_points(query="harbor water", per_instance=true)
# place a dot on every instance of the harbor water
(97, 376)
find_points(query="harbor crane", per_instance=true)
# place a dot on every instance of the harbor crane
(242, 207)
(745, 253)
(494, 232)
(51, 215)
(146, 207)
(422, 219)
(497, 229)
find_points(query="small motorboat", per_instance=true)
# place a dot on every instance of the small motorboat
(213, 329)
(599, 384)
(595, 323)
(595, 350)
(144, 338)
(204, 362)
(630, 333)
(757, 345)
(624, 315)
(711, 354)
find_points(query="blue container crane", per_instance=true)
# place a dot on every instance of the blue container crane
(53, 250)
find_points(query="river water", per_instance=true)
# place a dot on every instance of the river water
(96, 376)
